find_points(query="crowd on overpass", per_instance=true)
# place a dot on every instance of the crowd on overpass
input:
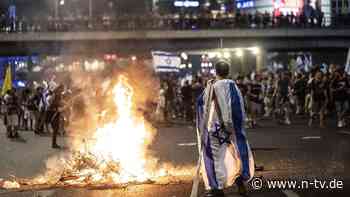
(188, 21)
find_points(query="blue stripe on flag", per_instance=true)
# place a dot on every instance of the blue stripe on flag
(207, 151)
(209, 162)
(238, 123)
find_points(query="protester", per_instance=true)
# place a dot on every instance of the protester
(283, 97)
(25, 116)
(11, 117)
(339, 89)
(221, 117)
(300, 93)
(269, 96)
(160, 111)
(315, 93)
(54, 109)
(255, 98)
(186, 92)
(33, 107)
(40, 102)
(319, 99)
(186, 20)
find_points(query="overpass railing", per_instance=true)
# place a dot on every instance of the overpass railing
(172, 23)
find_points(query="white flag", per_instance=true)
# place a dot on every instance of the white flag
(347, 64)
(166, 62)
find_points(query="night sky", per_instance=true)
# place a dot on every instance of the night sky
(46, 7)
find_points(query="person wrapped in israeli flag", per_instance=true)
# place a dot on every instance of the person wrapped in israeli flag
(225, 155)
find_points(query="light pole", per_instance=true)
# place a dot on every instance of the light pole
(56, 8)
(58, 3)
(90, 9)
(240, 55)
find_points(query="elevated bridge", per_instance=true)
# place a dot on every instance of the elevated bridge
(171, 40)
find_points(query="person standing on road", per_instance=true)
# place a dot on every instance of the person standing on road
(33, 107)
(268, 96)
(186, 92)
(11, 117)
(225, 155)
(42, 126)
(160, 117)
(300, 93)
(283, 96)
(319, 99)
(255, 96)
(54, 113)
(169, 100)
(339, 87)
(38, 106)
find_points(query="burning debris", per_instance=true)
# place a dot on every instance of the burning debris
(114, 155)
(9, 184)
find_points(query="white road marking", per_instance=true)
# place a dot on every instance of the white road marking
(44, 193)
(344, 132)
(187, 144)
(311, 138)
(290, 193)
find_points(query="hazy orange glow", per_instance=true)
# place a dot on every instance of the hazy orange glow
(114, 153)
(123, 141)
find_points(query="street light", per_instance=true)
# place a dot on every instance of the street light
(211, 55)
(239, 52)
(189, 65)
(255, 50)
(133, 58)
(219, 55)
(57, 4)
(184, 56)
(227, 55)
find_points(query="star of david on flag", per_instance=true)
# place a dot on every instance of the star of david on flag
(222, 135)
(165, 61)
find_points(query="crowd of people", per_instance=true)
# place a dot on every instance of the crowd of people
(282, 96)
(185, 21)
(318, 95)
(33, 109)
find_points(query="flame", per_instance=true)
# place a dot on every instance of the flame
(123, 141)
(116, 152)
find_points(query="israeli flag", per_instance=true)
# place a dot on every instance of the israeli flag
(300, 64)
(12, 12)
(226, 156)
(166, 62)
(307, 63)
(347, 64)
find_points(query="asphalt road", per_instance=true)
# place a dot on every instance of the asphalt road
(295, 153)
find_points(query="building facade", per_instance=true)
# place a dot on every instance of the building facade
(286, 7)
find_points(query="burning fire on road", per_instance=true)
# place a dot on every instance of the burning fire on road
(115, 153)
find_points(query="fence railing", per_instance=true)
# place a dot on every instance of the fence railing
(149, 23)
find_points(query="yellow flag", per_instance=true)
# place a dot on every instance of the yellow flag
(7, 85)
